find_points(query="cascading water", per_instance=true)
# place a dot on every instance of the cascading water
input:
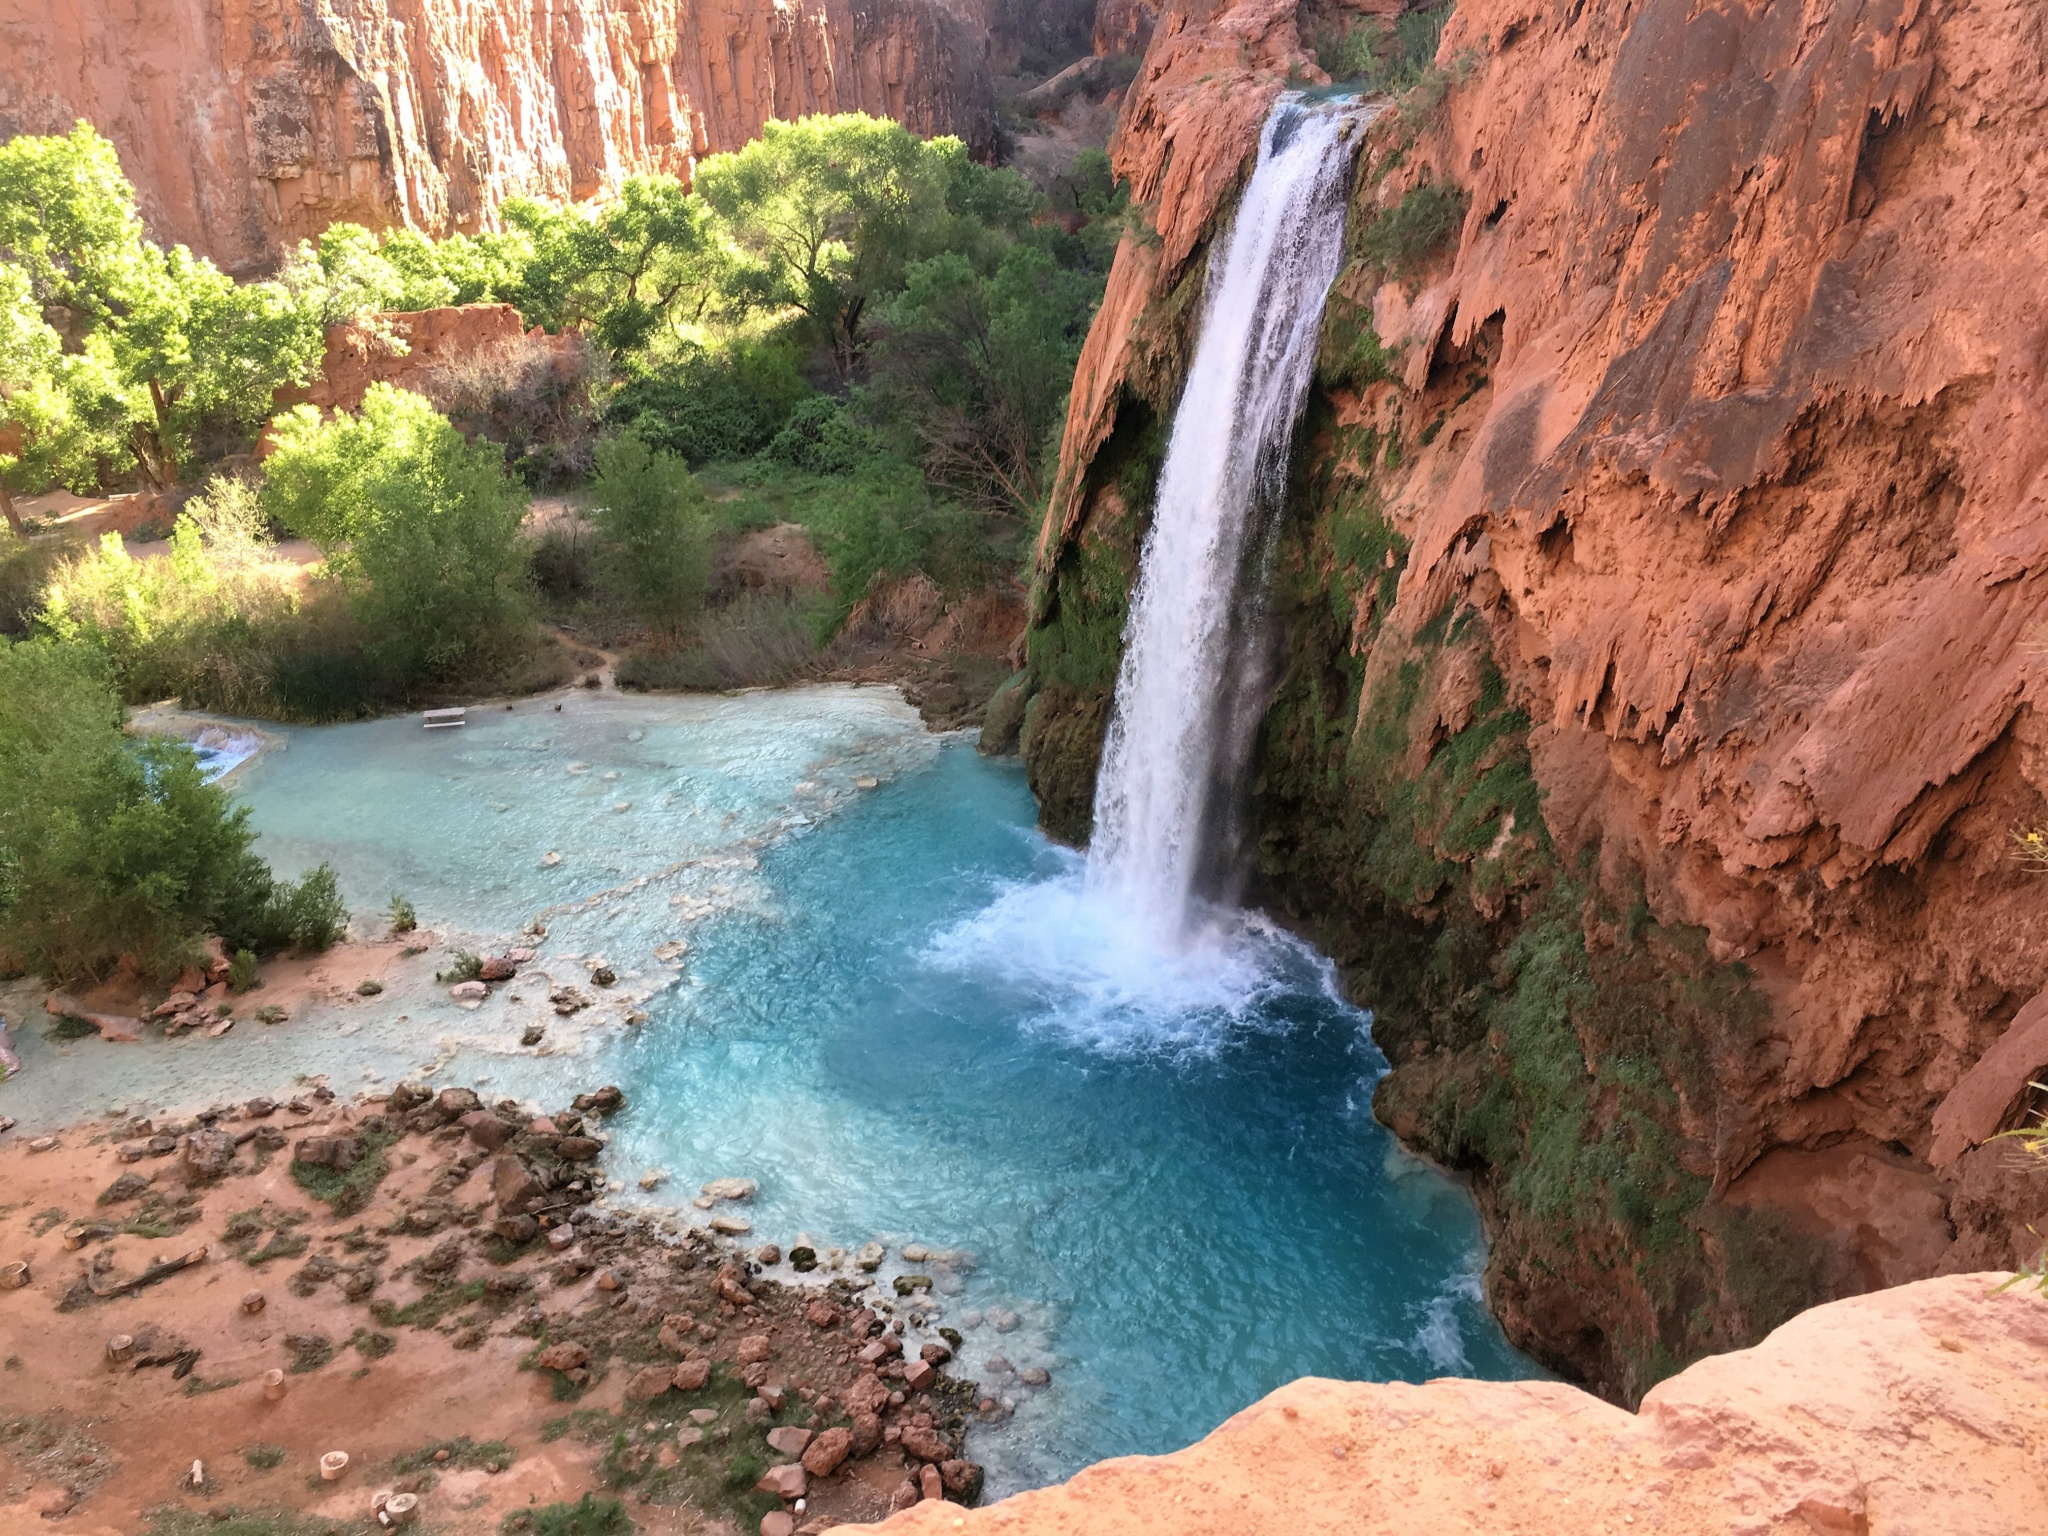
(1181, 731)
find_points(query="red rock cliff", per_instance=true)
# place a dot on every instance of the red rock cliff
(1721, 419)
(248, 124)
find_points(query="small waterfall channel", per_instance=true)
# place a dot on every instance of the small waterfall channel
(1191, 685)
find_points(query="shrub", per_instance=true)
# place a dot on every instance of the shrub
(532, 396)
(757, 640)
(403, 918)
(424, 524)
(244, 975)
(588, 1516)
(1401, 240)
(822, 437)
(654, 538)
(713, 404)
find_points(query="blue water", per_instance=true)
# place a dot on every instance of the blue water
(868, 983)
(1186, 1218)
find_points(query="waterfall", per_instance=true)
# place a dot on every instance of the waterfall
(1181, 732)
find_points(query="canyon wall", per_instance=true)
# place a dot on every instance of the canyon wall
(1656, 608)
(1918, 1410)
(249, 124)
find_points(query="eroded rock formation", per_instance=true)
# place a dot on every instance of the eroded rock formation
(249, 124)
(1914, 1410)
(1657, 701)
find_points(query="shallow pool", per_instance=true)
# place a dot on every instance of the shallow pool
(869, 984)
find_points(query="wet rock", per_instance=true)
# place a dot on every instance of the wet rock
(565, 1356)
(731, 1226)
(916, 1253)
(731, 1189)
(789, 1440)
(769, 1254)
(910, 1285)
(568, 1000)
(865, 1435)
(919, 1374)
(604, 976)
(608, 1100)
(1002, 1321)
(579, 1149)
(208, 1154)
(962, 1479)
(533, 1034)
(691, 1376)
(457, 1102)
(486, 1129)
(1035, 1376)
(998, 1365)
(803, 1258)
(935, 1354)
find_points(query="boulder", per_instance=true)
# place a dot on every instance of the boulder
(731, 1189)
(407, 1097)
(822, 1314)
(925, 1443)
(920, 1374)
(691, 1375)
(778, 1522)
(931, 1483)
(486, 1129)
(130, 1186)
(568, 1355)
(339, 1153)
(867, 1395)
(649, 1384)
(457, 1102)
(869, 1258)
(730, 1226)
(497, 968)
(787, 1483)
(866, 1434)
(755, 1347)
(208, 1154)
(514, 1186)
(789, 1440)
(579, 1149)
(469, 991)
(823, 1455)
(935, 1353)
(1035, 1376)
(608, 1100)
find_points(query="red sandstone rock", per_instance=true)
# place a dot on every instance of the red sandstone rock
(1911, 1409)
(824, 1454)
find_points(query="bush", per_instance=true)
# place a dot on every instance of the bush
(530, 395)
(1384, 59)
(758, 640)
(654, 540)
(1401, 240)
(713, 404)
(423, 523)
(588, 1516)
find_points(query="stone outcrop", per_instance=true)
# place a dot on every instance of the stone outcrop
(249, 124)
(409, 348)
(1918, 1409)
(1657, 704)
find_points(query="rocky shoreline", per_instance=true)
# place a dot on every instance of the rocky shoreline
(271, 1282)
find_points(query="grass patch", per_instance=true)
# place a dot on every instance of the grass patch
(199, 1386)
(461, 1452)
(428, 1310)
(588, 1516)
(309, 1351)
(40, 1224)
(347, 1191)
(173, 1521)
(264, 1457)
(372, 1346)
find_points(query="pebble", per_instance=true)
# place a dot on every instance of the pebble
(550, 859)
(916, 1253)
(731, 1189)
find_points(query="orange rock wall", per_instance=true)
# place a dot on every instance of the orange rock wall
(248, 124)
(1724, 413)
(1915, 1410)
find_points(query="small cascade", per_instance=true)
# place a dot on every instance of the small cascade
(1190, 688)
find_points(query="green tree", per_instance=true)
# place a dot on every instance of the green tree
(425, 523)
(829, 210)
(654, 537)
(111, 847)
(626, 267)
(168, 341)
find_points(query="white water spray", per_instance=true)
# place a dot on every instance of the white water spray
(1181, 731)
